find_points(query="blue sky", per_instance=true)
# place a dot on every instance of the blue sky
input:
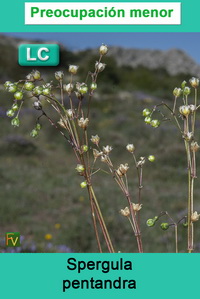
(189, 42)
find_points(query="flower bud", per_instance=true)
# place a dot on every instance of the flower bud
(38, 127)
(10, 113)
(164, 226)
(155, 123)
(183, 84)
(46, 91)
(194, 146)
(7, 83)
(150, 222)
(147, 120)
(184, 110)
(83, 123)
(34, 133)
(130, 148)
(36, 74)
(37, 105)
(146, 112)
(100, 66)
(136, 207)
(194, 82)
(59, 75)
(151, 158)
(73, 69)
(93, 86)
(68, 87)
(80, 168)
(29, 86)
(177, 92)
(15, 122)
(15, 107)
(12, 88)
(125, 212)
(107, 149)
(18, 95)
(83, 184)
(37, 90)
(186, 91)
(84, 148)
(195, 217)
(95, 139)
(103, 50)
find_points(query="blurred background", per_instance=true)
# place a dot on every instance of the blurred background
(40, 195)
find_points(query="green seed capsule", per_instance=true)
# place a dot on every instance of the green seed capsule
(18, 95)
(15, 122)
(83, 184)
(46, 91)
(84, 148)
(150, 222)
(147, 120)
(183, 84)
(38, 127)
(151, 158)
(29, 86)
(83, 89)
(15, 107)
(164, 226)
(186, 91)
(12, 88)
(37, 90)
(10, 113)
(155, 123)
(34, 133)
(93, 86)
(185, 225)
(146, 112)
(7, 83)
(155, 218)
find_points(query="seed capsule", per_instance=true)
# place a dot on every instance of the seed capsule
(84, 148)
(103, 50)
(29, 86)
(146, 112)
(80, 168)
(155, 123)
(151, 158)
(194, 82)
(15, 107)
(184, 110)
(164, 226)
(147, 120)
(18, 95)
(73, 69)
(186, 91)
(34, 133)
(15, 122)
(83, 184)
(10, 113)
(36, 74)
(130, 148)
(177, 92)
(59, 75)
(150, 222)
(12, 88)
(93, 86)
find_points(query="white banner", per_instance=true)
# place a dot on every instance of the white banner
(106, 13)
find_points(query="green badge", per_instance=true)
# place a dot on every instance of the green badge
(39, 55)
(12, 239)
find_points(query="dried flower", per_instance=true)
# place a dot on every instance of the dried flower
(62, 124)
(195, 216)
(194, 146)
(70, 113)
(103, 50)
(194, 82)
(100, 66)
(83, 123)
(95, 139)
(107, 149)
(141, 162)
(125, 212)
(184, 110)
(96, 153)
(59, 75)
(177, 92)
(130, 148)
(192, 108)
(73, 69)
(104, 158)
(123, 168)
(136, 207)
(68, 87)
(188, 136)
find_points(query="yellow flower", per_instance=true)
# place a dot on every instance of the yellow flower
(57, 225)
(48, 237)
